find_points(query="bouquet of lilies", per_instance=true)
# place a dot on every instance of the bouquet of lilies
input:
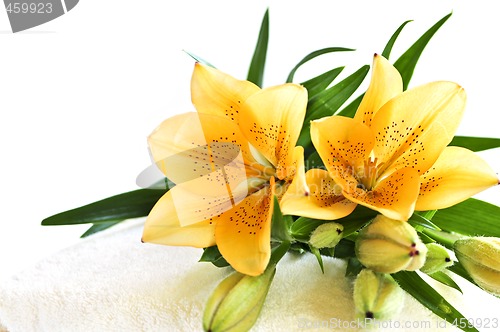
(382, 182)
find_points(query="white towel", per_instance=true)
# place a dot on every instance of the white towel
(113, 282)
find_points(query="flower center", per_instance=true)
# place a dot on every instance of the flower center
(368, 175)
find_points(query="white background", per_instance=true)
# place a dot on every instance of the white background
(80, 94)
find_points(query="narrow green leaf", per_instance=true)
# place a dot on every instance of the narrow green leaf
(407, 62)
(471, 217)
(278, 251)
(388, 48)
(280, 225)
(412, 283)
(256, 70)
(213, 255)
(128, 205)
(320, 83)
(95, 228)
(417, 220)
(350, 110)
(313, 55)
(356, 220)
(302, 228)
(317, 254)
(445, 280)
(476, 143)
(326, 103)
(329, 101)
(199, 59)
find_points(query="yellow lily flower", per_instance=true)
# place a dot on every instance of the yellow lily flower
(228, 161)
(392, 156)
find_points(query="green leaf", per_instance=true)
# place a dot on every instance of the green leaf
(314, 54)
(476, 143)
(95, 228)
(128, 205)
(350, 110)
(317, 254)
(417, 220)
(280, 225)
(278, 251)
(471, 217)
(412, 283)
(445, 280)
(326, 103)
(407, 62)
(320, 83)
(302, 228)
(213, 255)
(199, 59)
(388, 48)
(329, 101)
(256, 70)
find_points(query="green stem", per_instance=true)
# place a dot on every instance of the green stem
(444, 238)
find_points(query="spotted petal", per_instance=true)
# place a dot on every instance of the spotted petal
(191, 145)
(163, 227)
(343, 144)
(214, 92)
(413, 128)
(243, 234)
(271, 121)
(457, 175)
(393, 196)
(319, 198)
(385, 84)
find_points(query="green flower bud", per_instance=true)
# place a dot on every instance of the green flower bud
(437, 259)
(326, 235)
(376, 295)
(388, 246)
(236, 302)
(480, 256)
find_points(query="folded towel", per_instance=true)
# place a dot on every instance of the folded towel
(113, 282)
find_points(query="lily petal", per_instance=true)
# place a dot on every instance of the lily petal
(457, 175)
(163, 227)
(321, 199)
(413, 128)
(394, 196)
(243, 234)
(214, 92)
(385, 84)
(191, 145)
(271, 120)
(343, 144)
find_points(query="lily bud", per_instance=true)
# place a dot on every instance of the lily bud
(388, 246)
(480, 256)
(437, 259)
(236, 302)
(376, 295)
(326, 235)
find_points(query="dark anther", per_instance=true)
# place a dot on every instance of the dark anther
(360, 186)
(447, 259)
(369, 314)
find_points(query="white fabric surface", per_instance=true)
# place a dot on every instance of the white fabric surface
(113, 282)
